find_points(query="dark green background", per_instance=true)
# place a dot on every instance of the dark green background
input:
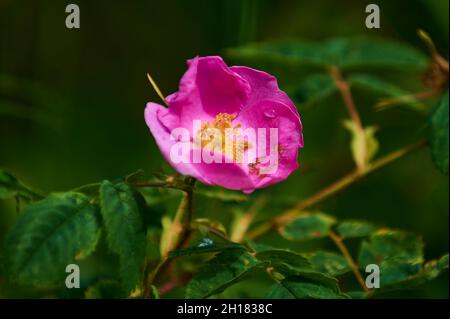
(72, 101)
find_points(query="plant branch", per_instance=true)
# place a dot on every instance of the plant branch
(344, 89)
(334, 188)
(344, 251)
(241, 225)
(179, 231)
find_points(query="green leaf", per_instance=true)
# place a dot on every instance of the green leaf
(288, 263)
(313, 89)
(49, 235)
(204, 246)
(299, 288)
(308, 273)
(431, 270)
(308, 226)
(225, 269)
(362, 52)
(125, 234)
(346, 53)
(152, 243)
(10, 187)
(364, 144)
(278, 256)
(329, 263)
(398, 254)
(391, 94)
(293, 52)
(221, 194)
(355, 228)
(204, 225)
(439, 135)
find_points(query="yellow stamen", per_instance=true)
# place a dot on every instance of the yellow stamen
(222, 122)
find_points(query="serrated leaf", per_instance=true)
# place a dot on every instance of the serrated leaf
(125, 234)
(364, 144)
(346, 53)
(204, 246)
(225, 269)
(313, 89)
(355, 228)
(308, 273)
(329, 263)
(299, 288)
(439, 135)
(289, 263)
(10, 187)
(49, 235)
(385, 244)
(308, 226)
(278, 256)
(398, 254)
(431, 270)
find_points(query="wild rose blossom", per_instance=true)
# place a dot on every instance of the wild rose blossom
(228, 126)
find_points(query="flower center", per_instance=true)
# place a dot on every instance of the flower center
(222, 136)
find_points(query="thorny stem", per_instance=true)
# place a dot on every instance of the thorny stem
(333, 188)
(344, 251)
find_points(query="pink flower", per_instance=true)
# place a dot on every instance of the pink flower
(215, 111)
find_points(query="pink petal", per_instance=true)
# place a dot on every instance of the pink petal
(207, 88)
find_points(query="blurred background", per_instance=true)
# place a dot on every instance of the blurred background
(72, 101)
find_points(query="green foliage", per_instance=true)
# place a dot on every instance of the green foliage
(276, 257)
(388, 92)
(355, 228)
(313, 89)
(329, 263)
(147, 235)
(297, 288)
(439, 135)
(398, 254)
(10, 187)
(222, 271)
(125, 234)
(308, 226)
(346, 53)
(49, 235)
(205, 245)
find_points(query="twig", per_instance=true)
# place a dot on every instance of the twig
(174, 283)
(335, 187)
(344, 251)
(182, 218)
(242, 225)
(344, 89)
